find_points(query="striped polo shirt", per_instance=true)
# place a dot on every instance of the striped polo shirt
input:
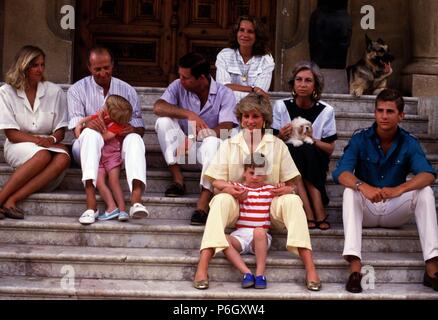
(254, 210)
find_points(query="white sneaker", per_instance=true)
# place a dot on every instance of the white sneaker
(138, 211)
(89, 216)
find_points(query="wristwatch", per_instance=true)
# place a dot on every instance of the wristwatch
(358, 184)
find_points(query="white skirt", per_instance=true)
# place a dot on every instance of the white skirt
(17, 154)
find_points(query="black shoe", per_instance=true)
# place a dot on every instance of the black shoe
(175, 190)
(353, 283)
(199, 217)
(431, 282)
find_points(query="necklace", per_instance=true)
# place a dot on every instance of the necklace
(244, 71)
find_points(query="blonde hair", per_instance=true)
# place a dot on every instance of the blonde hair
(256, 102)
(24, 59)
(119, 109)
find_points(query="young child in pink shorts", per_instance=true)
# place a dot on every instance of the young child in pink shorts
(116, 113)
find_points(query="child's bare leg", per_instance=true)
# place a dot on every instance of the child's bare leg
(105, 192)
(233, 254)
(260, 246)
(90, 193)
(114, 183)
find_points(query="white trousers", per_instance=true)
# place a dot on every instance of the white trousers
(171, 137)
(87, 150)
(359, 211)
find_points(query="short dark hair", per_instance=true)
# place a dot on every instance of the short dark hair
(254, 160)
(317, 75)
(260, 47)
(197, 64)
(391, 95)
(98, 49)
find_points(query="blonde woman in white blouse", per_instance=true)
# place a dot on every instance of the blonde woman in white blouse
(247, 65)
(33, 118)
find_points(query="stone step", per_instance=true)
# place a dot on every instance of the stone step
(366, 103)
(157, 182)
(155, 158)
(178, 234)
(72, 204)
(51, 288)
(428, 142)
(345, 121)
(341, 102)
(147, 264)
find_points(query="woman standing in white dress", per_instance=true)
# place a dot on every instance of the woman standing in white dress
(247, 65)
(33, 118)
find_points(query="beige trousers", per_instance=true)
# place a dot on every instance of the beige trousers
(286, 212)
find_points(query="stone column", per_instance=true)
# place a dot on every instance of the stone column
(420, 77)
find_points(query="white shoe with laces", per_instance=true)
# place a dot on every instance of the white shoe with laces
(89, 216)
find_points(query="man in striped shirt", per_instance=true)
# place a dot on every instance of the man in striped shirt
(85, 98)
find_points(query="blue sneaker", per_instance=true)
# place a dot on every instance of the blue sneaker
(123, 216)
(260, 282)
(248, 280)
(109, 215)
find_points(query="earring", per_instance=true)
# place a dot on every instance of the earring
(264, 125)
(294, 94)
(314, 95)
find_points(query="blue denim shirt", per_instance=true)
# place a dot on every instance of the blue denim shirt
(364, 157)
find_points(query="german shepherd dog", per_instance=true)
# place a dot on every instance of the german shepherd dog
(370, 74)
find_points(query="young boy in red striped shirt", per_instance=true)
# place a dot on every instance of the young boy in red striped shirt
(253, 224)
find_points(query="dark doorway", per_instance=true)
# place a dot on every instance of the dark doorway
(330, 34)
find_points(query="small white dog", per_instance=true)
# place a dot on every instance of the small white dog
(301, 132)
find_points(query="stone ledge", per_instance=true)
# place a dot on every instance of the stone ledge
(28, 287)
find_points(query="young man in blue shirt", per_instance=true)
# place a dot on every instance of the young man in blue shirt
(373, 169)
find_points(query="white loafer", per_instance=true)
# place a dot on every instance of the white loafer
(138, 211)
(89, 216)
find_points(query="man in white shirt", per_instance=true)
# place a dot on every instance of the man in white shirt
(85, 98)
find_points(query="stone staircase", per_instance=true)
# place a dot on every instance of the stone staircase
(50, 255)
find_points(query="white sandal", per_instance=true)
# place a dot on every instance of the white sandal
(138, 211)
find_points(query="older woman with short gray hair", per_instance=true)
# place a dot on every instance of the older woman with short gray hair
(312, 160)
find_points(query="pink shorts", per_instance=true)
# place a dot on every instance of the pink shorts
(111, 156)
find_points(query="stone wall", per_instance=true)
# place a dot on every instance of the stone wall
(391, 24)
(37, 23)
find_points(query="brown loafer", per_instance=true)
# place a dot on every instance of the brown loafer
(431, 282)
(14, 213)
(2, 213)
(353, 284)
